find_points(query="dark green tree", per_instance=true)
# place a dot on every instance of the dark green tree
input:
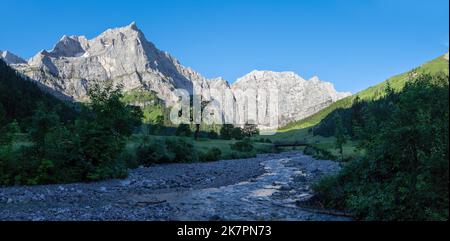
(226, 131)
(404, 174)
(8, 133)
(250, 130)
(340, 136)
(42, 122)
(183, 130)
(237, 133)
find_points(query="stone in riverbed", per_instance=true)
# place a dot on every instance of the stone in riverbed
(215, 218)
(285, 188)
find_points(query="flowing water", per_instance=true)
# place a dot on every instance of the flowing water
(224, 190)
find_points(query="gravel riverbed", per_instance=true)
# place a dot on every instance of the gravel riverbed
(267, 187)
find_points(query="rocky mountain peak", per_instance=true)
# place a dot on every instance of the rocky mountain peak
(267, 79)
(296, 97)
(219, 82)
(11, 58)
(133, 26)
(267, 74)
(121, 55)
(69, 47)
(124, 56)
(314, 79)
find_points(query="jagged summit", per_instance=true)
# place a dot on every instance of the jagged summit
(133, 26)
(11, 58)
(315, 78)
(121, 55)
(72, 46)
(124, 56)
(269, 73)
(298, 98)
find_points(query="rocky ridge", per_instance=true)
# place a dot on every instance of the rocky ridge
(124, 56)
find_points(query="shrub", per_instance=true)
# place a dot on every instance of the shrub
(226, 131)
(250, 130)
(182, 150)
(319, 153)
(154, 152)
(242, 146)
(237, 133)
(212, 135)
(130, 157)
(183, 130)
(212, 154)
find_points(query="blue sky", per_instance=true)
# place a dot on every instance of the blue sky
(351, 43)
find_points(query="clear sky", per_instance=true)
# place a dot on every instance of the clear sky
(351, 43)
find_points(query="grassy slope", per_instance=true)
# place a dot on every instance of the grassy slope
(397, 82)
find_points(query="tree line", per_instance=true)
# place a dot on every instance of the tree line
(404, 174)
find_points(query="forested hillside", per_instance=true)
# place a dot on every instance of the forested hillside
(397, 82)
(404, 174)
(19, 98)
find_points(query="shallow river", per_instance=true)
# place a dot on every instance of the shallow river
(264, 188)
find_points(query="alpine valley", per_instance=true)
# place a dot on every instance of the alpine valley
(85, 135)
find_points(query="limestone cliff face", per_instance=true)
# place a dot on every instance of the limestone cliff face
(121, 55)
(11, 58)
(124, 56)
(297, 98)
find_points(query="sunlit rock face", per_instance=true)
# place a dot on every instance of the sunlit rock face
(123, 56)
(296, 97)
(11, 58)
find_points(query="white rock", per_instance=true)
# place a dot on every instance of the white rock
(11, 58)
(124, 56)
(297, 98)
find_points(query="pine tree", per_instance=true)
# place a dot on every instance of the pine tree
(340, 136)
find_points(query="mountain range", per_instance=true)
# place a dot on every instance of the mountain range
(124, 56)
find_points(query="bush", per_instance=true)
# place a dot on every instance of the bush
(242, 146)
(8, 133)
(130, 157)
(212, 135)
(237, 133)
(319, 153)
(154, 152)
(182, 150)
(183, 130)
(250, 130)
(309, 151)
(212, 154)
(226, 131)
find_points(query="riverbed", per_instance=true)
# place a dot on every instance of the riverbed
(268, 187)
